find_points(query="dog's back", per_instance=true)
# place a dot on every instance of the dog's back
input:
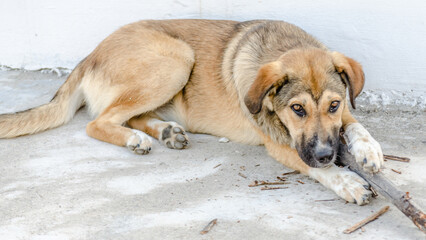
(227, 57)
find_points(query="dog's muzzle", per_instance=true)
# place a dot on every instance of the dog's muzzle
(317, 154)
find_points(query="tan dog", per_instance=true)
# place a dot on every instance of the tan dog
(256, 82)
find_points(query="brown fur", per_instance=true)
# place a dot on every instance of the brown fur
(270, 75)
(351, 71)
(225, 78)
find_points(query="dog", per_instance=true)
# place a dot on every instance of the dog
(258, 82)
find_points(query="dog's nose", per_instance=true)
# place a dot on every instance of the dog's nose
(324, 154)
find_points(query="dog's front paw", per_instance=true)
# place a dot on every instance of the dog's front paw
(362, 145)
(139, 143)
(348, 185)
(351, 187)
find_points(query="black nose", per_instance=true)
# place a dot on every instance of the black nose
(324, 155)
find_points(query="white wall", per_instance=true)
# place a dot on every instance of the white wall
(387, 37)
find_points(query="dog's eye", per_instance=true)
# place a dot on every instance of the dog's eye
(334, 106)
(298, 109)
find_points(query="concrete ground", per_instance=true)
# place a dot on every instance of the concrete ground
(61, 184)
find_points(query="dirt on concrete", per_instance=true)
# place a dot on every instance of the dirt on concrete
(62, 184)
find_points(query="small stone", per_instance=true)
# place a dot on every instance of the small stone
(223, 140)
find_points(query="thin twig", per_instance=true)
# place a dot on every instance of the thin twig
(261, 183)
(367, 220)
(399, 172)
(209, 226)
(272, 188)
(242, 175)
(281, 178)
(396, 158)
(217, 165)
(294, 172)
(326, 200)
(300, 182)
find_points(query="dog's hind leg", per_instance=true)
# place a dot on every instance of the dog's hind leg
(133, 72)
(141, 96)
(170, 133)
(134, 100)
(108, 128)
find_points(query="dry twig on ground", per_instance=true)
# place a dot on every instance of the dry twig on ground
(272, 188)
(209, 226)
(293, 172)
(367, 220)
(217, 165)
(261, 183)
(242, 175)
(395, 158)
(281, 178)
(326, 200)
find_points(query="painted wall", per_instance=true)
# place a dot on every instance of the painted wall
(387, 37)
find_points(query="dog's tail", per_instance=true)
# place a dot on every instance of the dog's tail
(61, 109)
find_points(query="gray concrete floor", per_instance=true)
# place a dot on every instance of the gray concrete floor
(61, 184)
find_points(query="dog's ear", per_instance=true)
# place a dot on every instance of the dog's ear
(351, 73)
(270, 76)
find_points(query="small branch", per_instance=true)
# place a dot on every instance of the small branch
(367, 220)
(242, 175)
(294, 172)
(272, 188)
(281, 178)
(399, 172)
(396, 158)
(217, 165)
(261, 183)
(209, 226)
(326, 200)
(300, 182)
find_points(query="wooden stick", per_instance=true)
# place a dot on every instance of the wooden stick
(387, 189)
(367, 220)
(209, 226)
(396, 158)
(399, 172)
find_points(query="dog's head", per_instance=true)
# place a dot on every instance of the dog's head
(306, 89)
